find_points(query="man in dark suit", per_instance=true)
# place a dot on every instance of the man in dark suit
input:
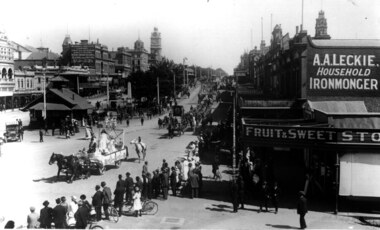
(97, 199)
(59, 215)
(173, 181)
(81, 216)
(302, 209)
(165, 182)
(46, 215)
(119, 194)
(128, 187)
(107, 199)
(193, 178)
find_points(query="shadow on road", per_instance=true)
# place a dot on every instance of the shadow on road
(220, 208)
(281, 226)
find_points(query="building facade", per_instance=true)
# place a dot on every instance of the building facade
(7, 82)
(317, 115)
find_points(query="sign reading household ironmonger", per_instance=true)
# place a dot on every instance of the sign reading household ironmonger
(305, 135)
(344, 72)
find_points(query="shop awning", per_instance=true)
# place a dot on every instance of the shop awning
(221, 112)
(338, 106)
(50, 106)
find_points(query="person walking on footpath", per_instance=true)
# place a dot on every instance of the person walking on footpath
(119, 194)
(81, 216)
(173, 181)
(46, 215)
(107, 199)
(128, 187)
(241, 190)
(59, 215)
(41, 135)
(144, 171)
(193, 178)
(275, 196)
(165, 182)
(234, 195)
(33, 219)
(142, 120)
(97, 199)
(302, 209)
(264, 196)
(21, 133)
(137, 202)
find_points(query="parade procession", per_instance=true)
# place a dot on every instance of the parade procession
(207, 114)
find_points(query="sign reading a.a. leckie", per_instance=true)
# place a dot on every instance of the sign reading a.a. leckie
(311, 135)
(343, 72)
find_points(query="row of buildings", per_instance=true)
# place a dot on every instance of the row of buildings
(85, 67)
(309, 106)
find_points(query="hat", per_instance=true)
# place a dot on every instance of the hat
(302, 193)
(32, 209)
(45, 203)
(58, 200)
(137, 189)
(74, 198)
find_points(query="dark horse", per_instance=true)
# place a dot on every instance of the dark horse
(69, 163)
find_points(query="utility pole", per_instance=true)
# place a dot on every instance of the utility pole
(158, 90)
(44, 112)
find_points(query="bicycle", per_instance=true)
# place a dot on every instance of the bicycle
(148, 207)
(114, 214)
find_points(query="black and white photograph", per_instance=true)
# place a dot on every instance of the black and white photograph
(190, 114)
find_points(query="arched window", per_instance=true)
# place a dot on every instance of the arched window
(22, 83)
(4, 73)
(10, 73)
(27, 83)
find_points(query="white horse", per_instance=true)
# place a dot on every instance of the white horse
(140, 148)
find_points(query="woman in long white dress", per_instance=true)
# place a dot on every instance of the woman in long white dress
(137, 201)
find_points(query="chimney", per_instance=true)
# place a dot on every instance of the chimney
(296, 29)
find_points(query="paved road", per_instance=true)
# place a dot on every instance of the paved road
(26, 180)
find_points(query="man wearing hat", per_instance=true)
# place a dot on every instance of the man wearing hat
(81, 216)
(302, 209)
(33, 218)
(107, 199)
(46, 215)
(128, 187)
(59, 215)
(97, 199)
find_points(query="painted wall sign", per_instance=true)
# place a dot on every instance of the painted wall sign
(311, 135)
(343, 72)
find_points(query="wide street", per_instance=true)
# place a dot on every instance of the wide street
(27, 180)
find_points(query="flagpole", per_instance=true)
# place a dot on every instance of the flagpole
(302, 17)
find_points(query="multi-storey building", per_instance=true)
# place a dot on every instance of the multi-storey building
(155, 46)
(123, 61)
(140, 57)
(316, 118)
(7, 82)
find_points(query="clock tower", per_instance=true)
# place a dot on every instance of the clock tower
(155, 45)
(321, 27)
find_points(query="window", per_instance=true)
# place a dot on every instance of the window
(27, 83)
(39, 80)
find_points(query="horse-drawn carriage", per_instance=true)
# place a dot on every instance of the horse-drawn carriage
(94, 160)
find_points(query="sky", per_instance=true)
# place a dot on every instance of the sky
(209, 33)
